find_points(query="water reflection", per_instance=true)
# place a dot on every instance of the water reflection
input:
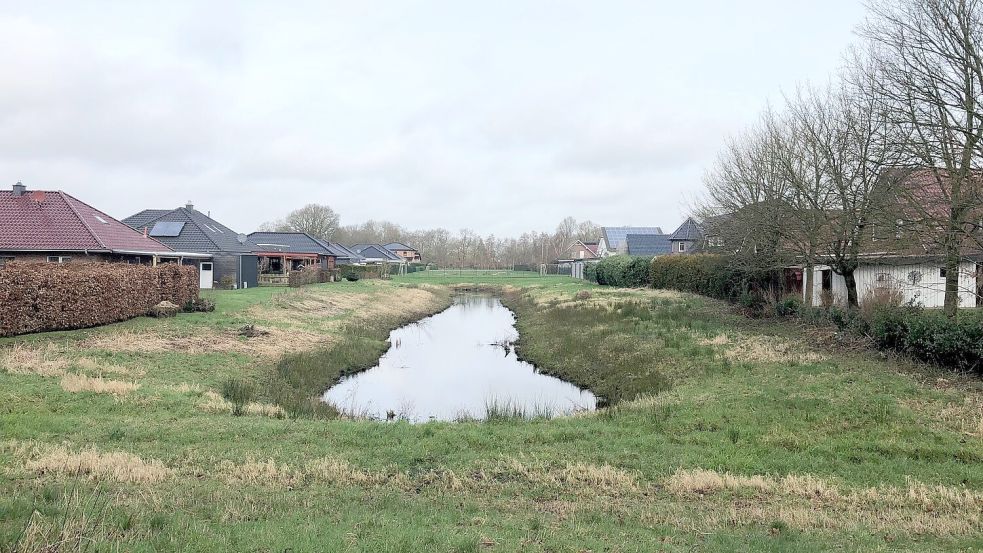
(451, 366)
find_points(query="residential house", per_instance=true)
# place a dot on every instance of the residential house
(647, 245)
(613, 239)
(903, 250)
(281, 253)
(374, 254)
(343, 255)
(686, 239)
(230, 261)
(55, 227)
(581, 250)
(408, 253)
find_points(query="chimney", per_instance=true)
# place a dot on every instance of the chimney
(144, 232)
(19, 189)
(189, 205)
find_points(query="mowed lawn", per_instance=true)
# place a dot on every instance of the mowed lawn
(724, 434)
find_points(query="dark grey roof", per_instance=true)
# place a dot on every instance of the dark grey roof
(339, 251)
(614, 236)
(297, 242)
(201, 233)
(142, 219)
(375, 251)
(648, 245)
(392, 246)
(689, 230)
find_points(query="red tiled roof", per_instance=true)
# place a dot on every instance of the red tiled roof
(48, 221)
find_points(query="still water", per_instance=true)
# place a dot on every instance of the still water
(452, 365)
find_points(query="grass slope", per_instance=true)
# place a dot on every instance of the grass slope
(724, 435)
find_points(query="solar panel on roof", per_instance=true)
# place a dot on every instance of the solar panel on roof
(167, 229)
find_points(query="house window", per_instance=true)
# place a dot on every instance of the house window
(4, 259)
(883, 278)
(59, 259)
(827, 280)
(682, 247)
(943, 273)
(715, 242)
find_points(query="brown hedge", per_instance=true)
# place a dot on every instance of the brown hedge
(311, 275)
(37, 297)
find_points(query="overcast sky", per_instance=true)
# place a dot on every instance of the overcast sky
(500, 116)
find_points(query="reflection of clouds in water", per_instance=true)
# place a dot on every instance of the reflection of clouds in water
(451, 363)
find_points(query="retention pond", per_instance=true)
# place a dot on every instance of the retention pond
(458, 364)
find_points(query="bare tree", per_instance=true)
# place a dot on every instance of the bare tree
(930, 80)
(746, 197)
(847, 130)
(320, 221)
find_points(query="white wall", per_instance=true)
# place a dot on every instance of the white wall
(928, 291)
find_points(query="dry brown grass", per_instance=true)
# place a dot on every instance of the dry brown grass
(101, 367)
(762, 349)
(76, 383)
(185, 388)
(71, 530)
(915, 495)
(323, 470)
(574, 478)
(212, 402)
(964, 416)
(270, 346)
(397, 302)
(808, 502)
(117, 466)
(602, 297)
(48, 360)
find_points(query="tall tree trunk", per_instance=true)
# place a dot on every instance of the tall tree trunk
(952, 250)
(851, 287)
(951, 306)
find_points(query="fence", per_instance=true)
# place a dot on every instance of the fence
(39, 297)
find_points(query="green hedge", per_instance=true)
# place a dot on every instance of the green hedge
(363, 271)
(704, 274)
(620, 270)
(590, 272)
(930, 336)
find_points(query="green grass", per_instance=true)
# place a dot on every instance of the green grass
(682, 399)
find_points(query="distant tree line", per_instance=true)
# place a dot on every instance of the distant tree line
(885, 158)
(463, 249)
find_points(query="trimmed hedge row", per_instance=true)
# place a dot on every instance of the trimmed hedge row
(362, 271)
(705, 274)
(38, 297)
(310, 275)
(620, 270)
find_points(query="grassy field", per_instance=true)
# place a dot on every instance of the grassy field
(724, 434)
